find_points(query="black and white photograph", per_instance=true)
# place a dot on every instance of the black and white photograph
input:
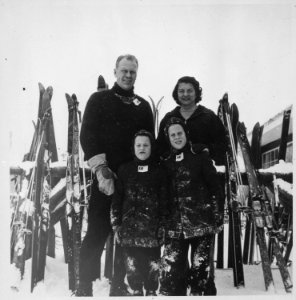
(147, 148)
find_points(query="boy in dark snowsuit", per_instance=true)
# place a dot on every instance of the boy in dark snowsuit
(194, 216)
(137, 214)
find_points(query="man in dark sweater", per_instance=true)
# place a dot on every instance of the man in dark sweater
(110, 121)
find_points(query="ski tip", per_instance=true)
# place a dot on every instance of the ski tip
(49, 90)
(153, 103)
(41, 87)
(234, 106)
(74, 97)
(101, 82)
(256, 126)
(159, 101)
(234, 111)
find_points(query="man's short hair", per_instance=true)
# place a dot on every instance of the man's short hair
(128, 57)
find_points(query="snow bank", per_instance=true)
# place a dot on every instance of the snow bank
(282, 167)
(286, 186)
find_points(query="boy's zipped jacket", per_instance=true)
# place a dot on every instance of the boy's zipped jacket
(139, 203)
(194, 193)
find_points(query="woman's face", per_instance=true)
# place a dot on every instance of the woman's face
(186, 94)
(177, 136)
(142, 147)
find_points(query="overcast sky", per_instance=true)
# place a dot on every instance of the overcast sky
(245, 48)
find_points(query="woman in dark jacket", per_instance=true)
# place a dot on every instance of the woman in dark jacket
(205, 129)
(138, 213)
(194, 215)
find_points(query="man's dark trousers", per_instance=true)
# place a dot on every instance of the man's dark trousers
(94, 241)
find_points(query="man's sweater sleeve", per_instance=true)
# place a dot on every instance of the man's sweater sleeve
(90, 129)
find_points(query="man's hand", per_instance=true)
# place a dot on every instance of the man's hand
(105, 179)
(105, 176)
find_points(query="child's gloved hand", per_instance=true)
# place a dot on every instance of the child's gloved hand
(161, 235)
(218, 216)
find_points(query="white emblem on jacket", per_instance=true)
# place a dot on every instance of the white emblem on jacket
(180, 156)
(137, 101)
(142, 169)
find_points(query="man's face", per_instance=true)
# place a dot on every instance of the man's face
(126, 73)
(142, 147)
(177, 136)
(186, 94)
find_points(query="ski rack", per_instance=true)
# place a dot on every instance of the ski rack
(259, 208)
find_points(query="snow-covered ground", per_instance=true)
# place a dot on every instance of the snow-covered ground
(55, 283)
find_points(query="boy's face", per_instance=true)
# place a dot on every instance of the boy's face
(177, 136)
(142, 147)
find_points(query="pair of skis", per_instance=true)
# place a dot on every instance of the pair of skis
(43, 151)
(229, 117)
(155, 112)
(30, 226)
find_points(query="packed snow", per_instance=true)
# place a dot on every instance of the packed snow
(286, 186)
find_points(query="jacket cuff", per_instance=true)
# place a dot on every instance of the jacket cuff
(96, 161)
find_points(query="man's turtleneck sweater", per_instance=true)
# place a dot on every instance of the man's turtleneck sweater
(110, 121)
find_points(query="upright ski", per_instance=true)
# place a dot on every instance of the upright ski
(249, 240)
(73, 208)
(274, 238)
(232, 182)
(257, 203)
(256, 145)
(155, 111)
(41, 188)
